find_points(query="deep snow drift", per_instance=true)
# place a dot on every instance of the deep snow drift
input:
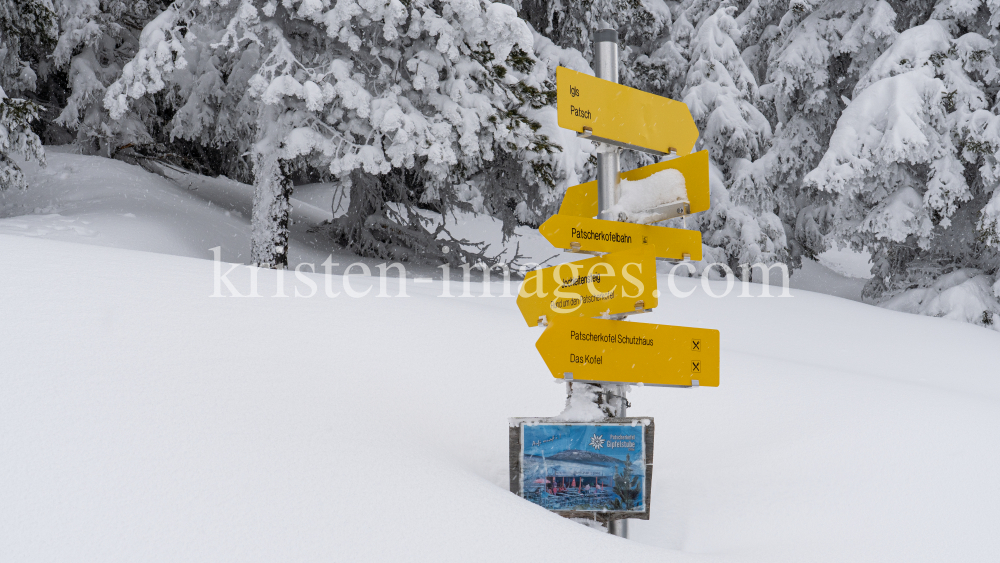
(142, 420)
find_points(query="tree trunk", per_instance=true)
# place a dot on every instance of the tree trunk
(272, 190)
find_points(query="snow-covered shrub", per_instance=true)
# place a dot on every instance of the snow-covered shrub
(964, 294)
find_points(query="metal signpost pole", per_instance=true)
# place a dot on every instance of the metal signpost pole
(606, 66)
(608, 167)
(619, 527)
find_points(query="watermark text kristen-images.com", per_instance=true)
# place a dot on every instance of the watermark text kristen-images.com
(564, 275)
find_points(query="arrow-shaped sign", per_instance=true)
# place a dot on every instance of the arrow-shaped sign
(616, 283)
(611, 113)
(595, 235)
(625, 352)
(581, 200)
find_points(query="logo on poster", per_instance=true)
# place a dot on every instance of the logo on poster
(597, 441)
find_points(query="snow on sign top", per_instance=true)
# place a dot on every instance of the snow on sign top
(640, 196)
(623, 116)
(581, 200)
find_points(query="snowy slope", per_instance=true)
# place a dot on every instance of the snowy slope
(105, 202)
(142, 420)
(94, 200)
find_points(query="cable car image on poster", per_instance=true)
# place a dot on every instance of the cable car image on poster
(584, 467)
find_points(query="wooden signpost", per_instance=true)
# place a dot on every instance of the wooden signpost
(603, 470)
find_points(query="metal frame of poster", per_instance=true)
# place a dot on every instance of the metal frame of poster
(571, 466)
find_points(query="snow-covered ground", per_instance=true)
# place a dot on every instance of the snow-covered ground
(821, 277)
(143, 420)
(94, 200)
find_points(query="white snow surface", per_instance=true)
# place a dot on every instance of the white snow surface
(105, 202)
(847, 262)
(143, 420)
(581, 406)
(640, 196)
(962, 295)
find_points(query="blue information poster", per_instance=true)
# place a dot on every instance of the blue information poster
(584, 467)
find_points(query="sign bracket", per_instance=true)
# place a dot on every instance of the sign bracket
(588, 134)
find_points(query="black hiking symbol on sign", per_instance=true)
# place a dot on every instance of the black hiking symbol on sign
(696, 345)
(696, 366)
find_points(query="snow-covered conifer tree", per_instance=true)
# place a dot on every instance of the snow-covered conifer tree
(662, 65)
(651, 45)
(401, 102)
(26, 29)
(913, 164)
(572, 24)
(97, 37)
(808, 56)
(720, 92)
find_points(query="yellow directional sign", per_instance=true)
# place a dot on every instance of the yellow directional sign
(616, 283)
(595, 235)
(622, 116)
(627, 352)
(581, 200)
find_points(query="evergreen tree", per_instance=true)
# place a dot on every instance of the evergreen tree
(403, 104)
(720, 92)
(809, 56)
(661, 67)
(27, 28)
(572, 24)
(626, 486)
(913, 161)
(96, 38)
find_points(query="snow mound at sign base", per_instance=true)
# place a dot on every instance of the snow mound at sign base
(142, 420)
